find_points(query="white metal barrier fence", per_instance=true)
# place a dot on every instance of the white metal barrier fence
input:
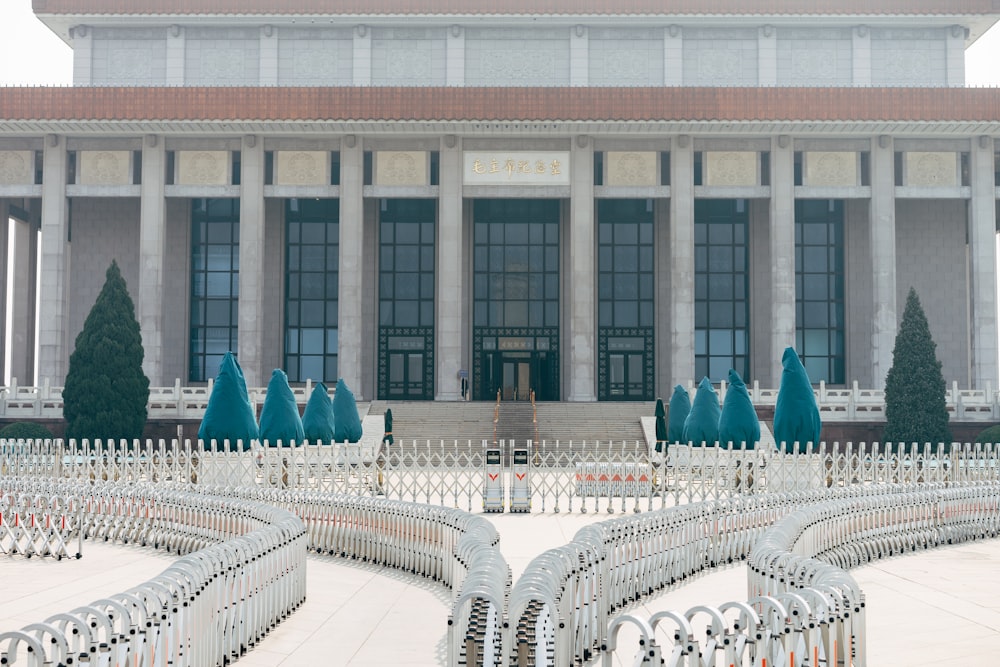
(38, 520)
(804, 608)
(457, 549)
(576, 477)
(241, 571)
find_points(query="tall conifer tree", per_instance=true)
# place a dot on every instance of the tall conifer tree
(915, 408)
(106, 391)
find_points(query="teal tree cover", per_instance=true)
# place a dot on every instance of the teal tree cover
(229, 415)
(279, 417)
(317, 420)
(796, 415)
(739, 422)
(702, 424)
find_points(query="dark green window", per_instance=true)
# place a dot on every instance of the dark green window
(721, 309)
(515, 268)
(406, 298)
(215, 287)
(625, 297)
(819, 288)
(312, 228)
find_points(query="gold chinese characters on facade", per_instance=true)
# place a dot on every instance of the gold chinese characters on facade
(519, 168)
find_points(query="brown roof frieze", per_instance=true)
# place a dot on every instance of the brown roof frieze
(509, 7)
(382, 104)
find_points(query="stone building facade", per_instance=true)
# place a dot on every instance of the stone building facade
(588, 200)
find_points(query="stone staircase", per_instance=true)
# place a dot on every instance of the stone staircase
(590, 423)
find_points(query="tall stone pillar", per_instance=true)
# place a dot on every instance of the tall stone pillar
(53, 353)
(882, 229)
(582, 353)
(782, 242)
(682, 260)
(455, 56)
(861, 55)
(362, 59)
(253, 263)
(152, 256)
(175, 55)
(83, 55)
(22, 316)
(767, 56)
(5, 223)
(350, 313)
(450, 278)
(983, 269)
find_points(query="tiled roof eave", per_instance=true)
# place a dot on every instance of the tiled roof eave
(493, 128)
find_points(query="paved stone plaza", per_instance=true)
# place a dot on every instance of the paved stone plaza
(939, 607)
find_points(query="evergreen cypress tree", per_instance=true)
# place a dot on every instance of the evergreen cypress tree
(915, 408)
(106, 391)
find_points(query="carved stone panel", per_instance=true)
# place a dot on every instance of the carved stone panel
(17, 167)
(631, 168)
(301, 168)
(401, 168)
(104, 168)
(731, 168)
(830, 169)
(929, 170)
(203, 168)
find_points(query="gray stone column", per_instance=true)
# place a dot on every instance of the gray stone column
(455, 56)
(983, 269)
(253, 263)
(782, 250)
(861, 55)
(682, 260)
(5, 223)
(152, 256)
(83, 58)
(767, 56)
(882, 229)
(362, 60)
(22, 317)
(175, 55)
(579, 56)
(450, 278)
(53, 353)
(268, 56)
(955, 51)
(350, 313)
(673, 56)
(582, 353)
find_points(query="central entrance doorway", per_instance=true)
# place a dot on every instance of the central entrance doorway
(515, 332)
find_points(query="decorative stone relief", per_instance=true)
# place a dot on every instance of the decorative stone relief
(104, 168)
(905, 64)
(631, 168)
(627, 64)
(730, 168)
(528, 63)
(830, 169)
(408, 60)
(401, 168)
(928, 170)
(301, 168)
(314, 64)
(17, 167)
(203, 168)
(719, 64)
(130, 65)
(815, 64)
(222, 64)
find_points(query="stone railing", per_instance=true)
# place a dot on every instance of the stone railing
(835, 404)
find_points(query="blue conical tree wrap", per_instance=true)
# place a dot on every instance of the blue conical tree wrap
(660, 424)
(680, 406)
(796, 415)
(279, 418)
(345, 414)
(739, 422)
(317, 420)
(229, 415)
(702, 424)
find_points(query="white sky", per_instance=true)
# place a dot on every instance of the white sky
(31, 55)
